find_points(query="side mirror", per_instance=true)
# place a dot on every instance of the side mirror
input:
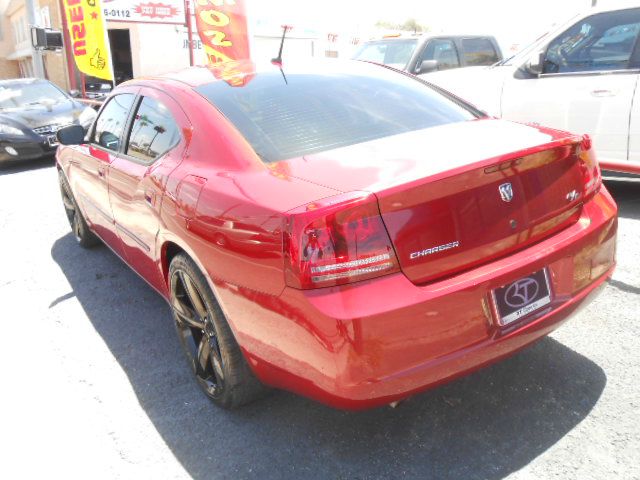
(71, 135)
(75, 93)
(427, 66)
(535, 65)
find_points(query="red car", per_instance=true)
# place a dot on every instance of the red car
(340, 230)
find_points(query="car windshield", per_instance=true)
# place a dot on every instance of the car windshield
(23, 95)
(288, 114)
(395, 53)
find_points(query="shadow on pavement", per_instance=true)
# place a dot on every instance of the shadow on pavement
(19, 166)
(626, 193)
(486, 425)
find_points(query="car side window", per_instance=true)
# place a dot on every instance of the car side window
(602, 42)
(153, 132)
(478, 51)
(111, 121)
(443, 51)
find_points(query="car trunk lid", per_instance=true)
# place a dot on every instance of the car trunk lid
(481, 213)
(456, 196)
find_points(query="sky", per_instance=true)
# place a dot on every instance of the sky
(513, 21)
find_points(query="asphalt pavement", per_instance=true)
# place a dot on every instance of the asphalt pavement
(95, 385)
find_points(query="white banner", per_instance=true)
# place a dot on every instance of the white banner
(148, 11)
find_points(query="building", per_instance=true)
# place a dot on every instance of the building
(15, 42)
(146, 38)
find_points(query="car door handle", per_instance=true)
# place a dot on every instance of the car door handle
(603, 93)
(148, 196)
(101, 172)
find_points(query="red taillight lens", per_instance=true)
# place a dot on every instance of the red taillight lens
(590, 168)
(337, 241)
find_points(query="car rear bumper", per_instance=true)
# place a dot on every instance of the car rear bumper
(631, 168)
(374, 342)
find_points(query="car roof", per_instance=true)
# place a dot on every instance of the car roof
(619, 5)
(426, 36)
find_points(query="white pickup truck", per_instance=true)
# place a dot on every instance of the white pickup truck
(581, 77)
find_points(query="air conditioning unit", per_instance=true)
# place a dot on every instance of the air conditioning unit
(46, 39)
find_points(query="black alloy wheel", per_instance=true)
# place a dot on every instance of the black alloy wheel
(84, 236)
(212, 352)
(197, 334)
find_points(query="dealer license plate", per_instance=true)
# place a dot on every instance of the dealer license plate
(522, 297)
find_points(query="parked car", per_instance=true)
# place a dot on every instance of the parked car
(581, 77)
(429, 53)
(340, 230)
(97, 88)
(31, 112)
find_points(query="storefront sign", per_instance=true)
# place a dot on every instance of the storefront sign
(88, 37)
(148, 11)
(222, 25)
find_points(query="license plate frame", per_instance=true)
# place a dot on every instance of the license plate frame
(520, 298)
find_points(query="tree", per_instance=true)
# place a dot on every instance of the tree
(410, 25)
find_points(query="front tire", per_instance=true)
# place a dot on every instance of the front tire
(211, 349)
(81, 231)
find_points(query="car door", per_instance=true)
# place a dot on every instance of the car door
(478, 51)
(441, 50)
(154, 147)
(589, 74)
(90, 165)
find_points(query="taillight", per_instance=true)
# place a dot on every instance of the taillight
(592, 178)
(336, 241)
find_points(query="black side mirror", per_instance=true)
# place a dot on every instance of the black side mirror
(71, 135)
(109, 140)
(427, 66)
(535, 65)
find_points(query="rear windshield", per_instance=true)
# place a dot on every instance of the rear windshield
(287, 115)
(395, 53)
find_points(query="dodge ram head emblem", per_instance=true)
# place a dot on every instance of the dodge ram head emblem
(506, 192)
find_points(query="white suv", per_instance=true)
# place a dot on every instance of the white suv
(581, 77)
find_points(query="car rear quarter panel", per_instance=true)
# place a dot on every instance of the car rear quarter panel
(226, 210)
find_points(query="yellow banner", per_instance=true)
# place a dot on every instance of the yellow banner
(87, 32)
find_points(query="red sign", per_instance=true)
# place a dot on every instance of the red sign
(222, 26)
(155, 10)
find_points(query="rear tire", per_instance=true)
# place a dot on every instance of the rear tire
(81, 231)
(206, 338)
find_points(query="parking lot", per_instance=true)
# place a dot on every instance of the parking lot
(95, 383)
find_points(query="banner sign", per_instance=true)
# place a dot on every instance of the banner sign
(147, 11)
(222, 25)
(88, 37)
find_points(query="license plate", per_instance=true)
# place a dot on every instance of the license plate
(53, 140)
(522, 297)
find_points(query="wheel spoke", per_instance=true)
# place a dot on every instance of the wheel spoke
(187, 316)
(216, 360)
(68, 204)
(194, 297)
(204, 352)
(76, 225)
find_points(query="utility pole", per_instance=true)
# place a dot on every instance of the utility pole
(36, 55)
(594, 3)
